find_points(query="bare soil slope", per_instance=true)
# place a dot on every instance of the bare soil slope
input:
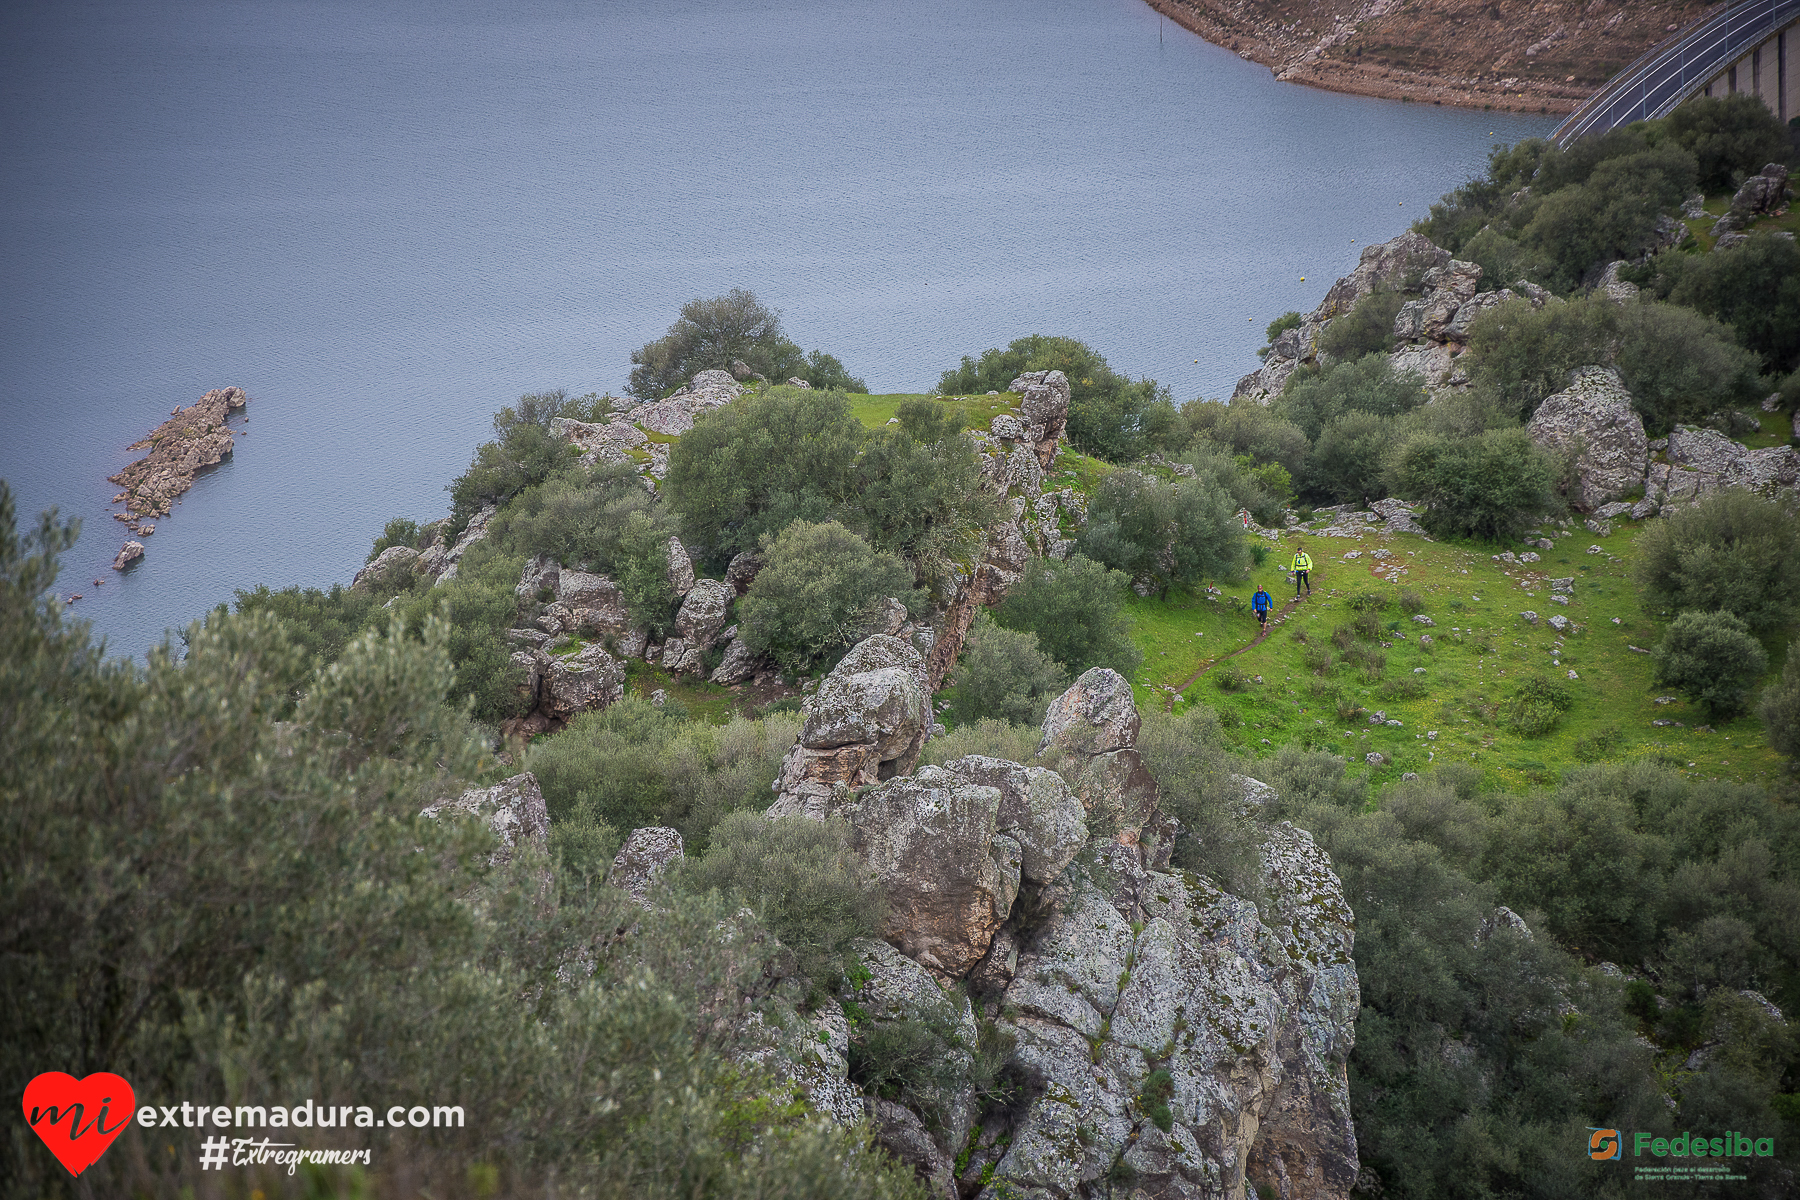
(1525, 55)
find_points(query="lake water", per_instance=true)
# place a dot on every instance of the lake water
(386, 219)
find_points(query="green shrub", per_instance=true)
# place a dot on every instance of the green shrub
(1248, 429)
(1712, 658)
(1780, 709)
(1612, 215)
(1280, 325)
(1346, 463)
(801, 878)
(817, 589)
(632, 765)
(1488, 487)
(757, 464)
(1367, 602)
(1404, 687)
(1754, 288)
(920, 1062)
(1262, 490)
(1598, 746)
(1313, 399)
(1367, 622)
(996, 739)
(1733, 550)
(1318, 660)
(1411, 602)
(1197, 785)
(1076, 609)
(1228, 678)
(920, 494)
(523, 454)
(578, 517)
(1676, 363)
(1154, 1096)
(1169, 532)
(1729, 136)
(711, 334)
(1366, 329)
(1002, 674)
(319, 623)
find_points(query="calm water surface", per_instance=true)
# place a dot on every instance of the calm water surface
(387, 219)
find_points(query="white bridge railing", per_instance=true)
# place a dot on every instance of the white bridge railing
(1670, 73)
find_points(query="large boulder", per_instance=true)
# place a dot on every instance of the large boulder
(681, 567)
(591, 678)
(391, 567)
(444, 563)
(675, 415)
(866, 722)
(1037, 810)
(949, 876)
(514, 810)
(1094, 716)
(887, 986)
(1595, 427)
(703, 610)
(1090, 736)
(1043, 410)
(1447, 289)
(595, 604)
(1758, 196)
(739, 662)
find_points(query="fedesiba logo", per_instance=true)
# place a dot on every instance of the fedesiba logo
(1604, 1143)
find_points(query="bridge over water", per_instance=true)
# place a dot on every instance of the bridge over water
(1751, 46)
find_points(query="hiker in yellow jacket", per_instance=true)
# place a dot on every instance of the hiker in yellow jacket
(1302, 564)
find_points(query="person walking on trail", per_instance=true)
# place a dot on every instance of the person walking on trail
(1260, 604)
(1302, 565)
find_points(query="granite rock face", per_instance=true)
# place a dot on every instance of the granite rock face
(1758, 196)
(1593, 424)
(513, 809)
(866, 722)
(129, 553)
(1701, 461)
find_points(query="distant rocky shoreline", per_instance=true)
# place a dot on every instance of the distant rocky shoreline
(1545, 57)
(191, 440)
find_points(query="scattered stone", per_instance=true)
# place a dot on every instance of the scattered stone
(1422, 619)
(1558, 622)
(1374, 759)
(1408, 776)
(1563, 586)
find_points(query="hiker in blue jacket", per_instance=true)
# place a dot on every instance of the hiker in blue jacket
(1260, 604)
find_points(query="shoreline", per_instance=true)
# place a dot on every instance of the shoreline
(1335, 61)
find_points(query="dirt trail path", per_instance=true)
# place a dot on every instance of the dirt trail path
(1261, 637)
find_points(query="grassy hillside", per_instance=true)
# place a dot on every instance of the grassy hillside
(1458, 686)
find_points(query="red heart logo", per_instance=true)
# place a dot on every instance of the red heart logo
(79, 1118)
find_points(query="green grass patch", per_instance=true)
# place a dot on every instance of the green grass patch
(1481, 654)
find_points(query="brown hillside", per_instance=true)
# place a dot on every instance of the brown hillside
(1529, 55)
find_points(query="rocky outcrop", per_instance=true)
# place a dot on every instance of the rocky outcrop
(514, 810)
(643, 859)
(1595, 428)
(674, 416)
(608, 442)
(391, 568)
(129, 553)
(1701, 461)
(1043, 411)
(1090, 736)
(441, 561)
(191, 440)
(866, 722)
(1763, 194)
(702, 614)
(739, 662)
(1430, 330)
(681, 568)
